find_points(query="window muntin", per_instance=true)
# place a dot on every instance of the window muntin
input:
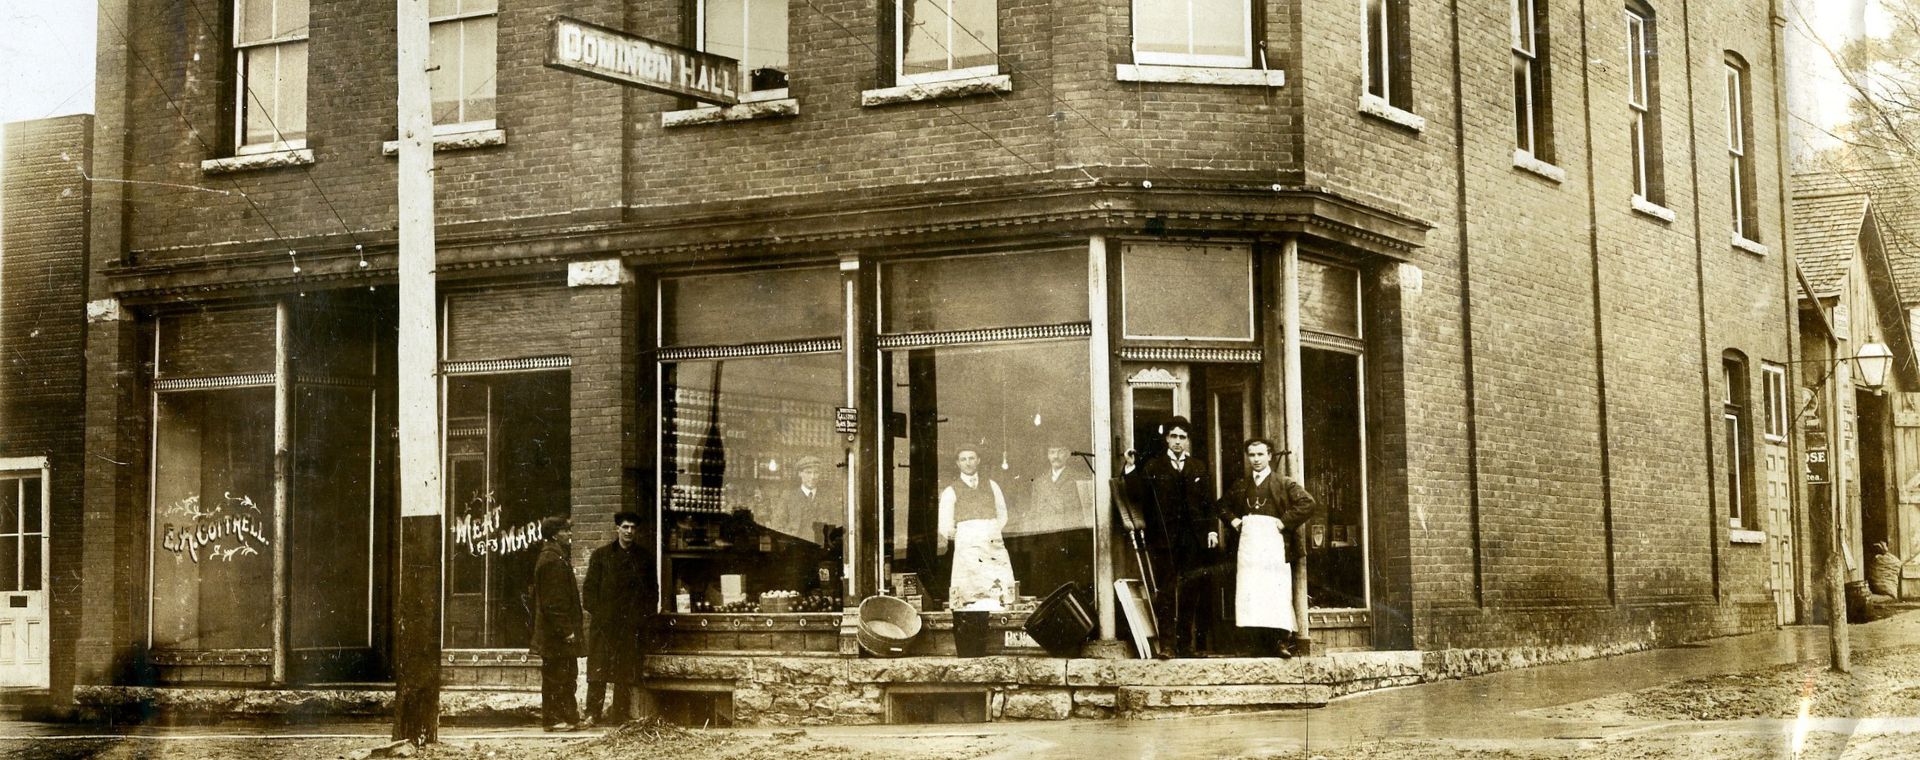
(1740, 169)
(1187, 291)
(1023, 407)
(270, 95)
(22, 533)
(1779, 416)
(1193, 33)
(750, 307)
(752, 489)
(1532, 125)
(981, 292)
(754, 32)
(463, 50)
(1643, 110)
(938, 40)
(508, 465)
(212, 529)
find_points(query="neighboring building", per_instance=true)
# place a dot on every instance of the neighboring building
(1860, 263)
(1518, 369)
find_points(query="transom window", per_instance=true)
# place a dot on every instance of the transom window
(1193, 32)
(270, 96)
(753, 32)
(463, 62)
(939, 40)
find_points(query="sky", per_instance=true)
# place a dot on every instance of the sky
(47, 47)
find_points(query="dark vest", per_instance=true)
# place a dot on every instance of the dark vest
(973, 503)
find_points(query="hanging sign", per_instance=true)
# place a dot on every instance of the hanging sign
(846, 420)
(609, 54)
(1816, 465)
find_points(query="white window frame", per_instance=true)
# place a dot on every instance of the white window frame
(1377, 17)
(1737, 149)
(1639, 105)
(20, 469)
(1525, 34)
(948, 74)
(1774, 382)
(476, 125)
(1155, 58)
(244, 50)
(746, 35)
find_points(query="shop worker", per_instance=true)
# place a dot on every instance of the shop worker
(556, 625)
(1267, 509)
(614, 593)
(802, 522)
(973, 510)
(1174, 492)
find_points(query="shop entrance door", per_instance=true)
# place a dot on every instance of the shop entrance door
(23, 580)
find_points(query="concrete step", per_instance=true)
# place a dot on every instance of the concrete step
(1151, 702)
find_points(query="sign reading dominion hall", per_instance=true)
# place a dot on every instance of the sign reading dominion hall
(616, 56)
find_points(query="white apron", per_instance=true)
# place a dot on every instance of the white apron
(981, 569)
(1263, 581)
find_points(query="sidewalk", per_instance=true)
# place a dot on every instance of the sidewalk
(1490, 708)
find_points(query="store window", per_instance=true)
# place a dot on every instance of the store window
(988, 494)
(462, 70)
(753, 32)
(508, 465)
(940, 40)
(1182, 291)
(753, 507)
(270, 97)
(1216, 33)
(1333, 425)
(213, 518)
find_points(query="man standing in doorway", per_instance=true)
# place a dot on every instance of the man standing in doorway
(1175, 494)
(615, 579)
(1268, 510)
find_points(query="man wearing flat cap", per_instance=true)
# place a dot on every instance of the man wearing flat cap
(1174, 492)
(801, 521)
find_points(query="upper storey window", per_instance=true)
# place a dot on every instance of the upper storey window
(1532, 111)
(1388, 59)
(939, 40)
(1215, 33)
(463, 54)
(1643, 104)
(270, 98)
(1740, 174)
(753, 32)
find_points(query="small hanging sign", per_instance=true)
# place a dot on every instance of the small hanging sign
(846, 420)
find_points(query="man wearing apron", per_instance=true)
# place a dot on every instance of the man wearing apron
(972, 512)
(1267, 508)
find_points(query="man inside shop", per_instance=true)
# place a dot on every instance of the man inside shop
(1174, 492)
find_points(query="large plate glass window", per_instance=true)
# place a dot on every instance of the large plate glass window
(753, 508)
(1333, 426)
(986, 403)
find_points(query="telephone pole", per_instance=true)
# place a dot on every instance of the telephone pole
(416, 708)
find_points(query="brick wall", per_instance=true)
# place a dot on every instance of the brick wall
(43, 253)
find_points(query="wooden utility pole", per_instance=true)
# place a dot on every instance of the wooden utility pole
(416, 708)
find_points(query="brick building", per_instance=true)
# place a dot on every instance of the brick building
(1502, 280)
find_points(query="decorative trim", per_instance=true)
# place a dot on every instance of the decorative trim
(1209, 355)
(252, 161)
(1525, 160)
(1740, 536)
(1129, 72)
(1756, 248)
(744, 350)
(989, 335)
(1377, 107)
(488, 657)
(104, 310)
(1655, 210)
(221, 381)
(952, 88)
(488, 366)
(334, 381)
(208, 656)
(759, 109)
(599, 272)
(480, 138)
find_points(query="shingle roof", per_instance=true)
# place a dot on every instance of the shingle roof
(1895, 193)
(1826, 230)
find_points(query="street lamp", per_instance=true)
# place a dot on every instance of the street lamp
(1873, 360)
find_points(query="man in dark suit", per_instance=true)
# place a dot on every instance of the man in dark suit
(556, 625)
(1174, 492)
(614, 594)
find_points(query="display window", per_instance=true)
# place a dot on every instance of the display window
(213, 519)
(1332, 370)
(508, 464)
(984, 292)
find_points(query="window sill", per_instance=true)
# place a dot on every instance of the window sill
(1743, 536)
(1525, 160)
(1379, 108)
(1643, 206)
(255, 161)
(758, 109)
(485, 138)
(1127, 72)
(1741, 242)
(952, 88)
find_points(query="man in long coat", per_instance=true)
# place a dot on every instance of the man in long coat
(616, 578)
(556, 625)
(1267, 509)
(1174, 492)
